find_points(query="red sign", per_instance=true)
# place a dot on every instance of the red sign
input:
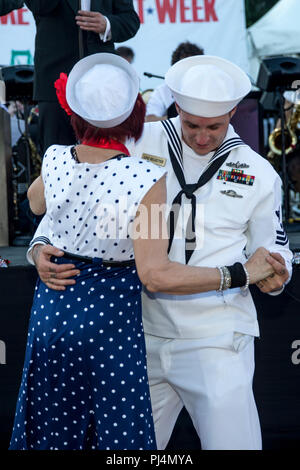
(15, 17)
(193, 11)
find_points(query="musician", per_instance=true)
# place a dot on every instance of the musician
(126, 52)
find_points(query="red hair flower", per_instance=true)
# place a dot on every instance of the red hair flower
(60, 86)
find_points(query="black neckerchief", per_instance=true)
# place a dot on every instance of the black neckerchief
(176, 156)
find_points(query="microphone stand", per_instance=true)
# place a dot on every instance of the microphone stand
(150, 75)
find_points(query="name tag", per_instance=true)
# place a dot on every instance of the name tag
(156, 160)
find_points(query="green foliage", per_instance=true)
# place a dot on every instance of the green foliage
(255, 9)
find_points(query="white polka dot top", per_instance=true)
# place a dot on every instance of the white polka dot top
(91, 207)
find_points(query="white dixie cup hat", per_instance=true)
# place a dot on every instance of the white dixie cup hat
(102, 89)
(207, 86)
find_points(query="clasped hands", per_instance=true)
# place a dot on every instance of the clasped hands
(276, 280)
(91, 21)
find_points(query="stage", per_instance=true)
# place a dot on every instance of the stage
(277, 375)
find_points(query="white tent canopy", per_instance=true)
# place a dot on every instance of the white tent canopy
(276, 33)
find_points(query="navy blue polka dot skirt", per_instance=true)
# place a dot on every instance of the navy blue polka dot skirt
(84, 383)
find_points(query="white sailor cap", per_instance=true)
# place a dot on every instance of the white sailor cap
(207, 86)
(102, 89)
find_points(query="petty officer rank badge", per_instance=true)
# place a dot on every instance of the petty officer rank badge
(236, 176)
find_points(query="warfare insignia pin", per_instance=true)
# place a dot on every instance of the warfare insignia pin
(231, 193)
(237, 165)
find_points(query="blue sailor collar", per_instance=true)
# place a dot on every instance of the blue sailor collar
(172, 129)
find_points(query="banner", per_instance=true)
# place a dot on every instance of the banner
(17, 33)
(216, 25)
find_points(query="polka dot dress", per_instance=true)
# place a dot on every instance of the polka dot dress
(84, 383)
(91, 207)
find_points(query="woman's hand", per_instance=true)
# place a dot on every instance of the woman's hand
(275, 281)
(263, 265)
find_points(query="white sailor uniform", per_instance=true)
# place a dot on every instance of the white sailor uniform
(200, 347)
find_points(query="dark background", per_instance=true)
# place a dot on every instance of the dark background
(276, 381)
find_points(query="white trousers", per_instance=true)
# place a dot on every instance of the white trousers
(212, 378)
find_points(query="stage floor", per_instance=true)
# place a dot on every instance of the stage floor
(15, 254)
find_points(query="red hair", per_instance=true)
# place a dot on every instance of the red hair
(132, 127)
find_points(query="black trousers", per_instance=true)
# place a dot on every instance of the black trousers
(54, 126)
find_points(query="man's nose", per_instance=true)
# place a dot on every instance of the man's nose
(202, 138)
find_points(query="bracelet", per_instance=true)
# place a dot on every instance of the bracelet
(221, 280)
(246, 286)
(225, 282)
(227, 277)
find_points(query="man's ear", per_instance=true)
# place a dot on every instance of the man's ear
(177, 108)
(232, 112)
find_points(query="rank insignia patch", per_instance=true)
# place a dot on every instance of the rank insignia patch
(236, 176)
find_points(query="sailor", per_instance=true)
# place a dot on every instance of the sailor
(200, 347)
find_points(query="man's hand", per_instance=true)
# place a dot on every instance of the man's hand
(55, 276)
(276, 280)
(91, 21)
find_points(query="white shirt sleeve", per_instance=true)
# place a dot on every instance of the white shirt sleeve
(41, 237)
(159, 101)
(265, 228)
(107, 34)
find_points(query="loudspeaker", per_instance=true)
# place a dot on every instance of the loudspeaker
(278, 72)
(18, 82)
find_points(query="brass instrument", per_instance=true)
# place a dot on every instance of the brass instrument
(290, 131)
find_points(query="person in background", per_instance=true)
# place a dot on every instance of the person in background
(125, 52)
(63, 35)
(17, 125)
(161, 102)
